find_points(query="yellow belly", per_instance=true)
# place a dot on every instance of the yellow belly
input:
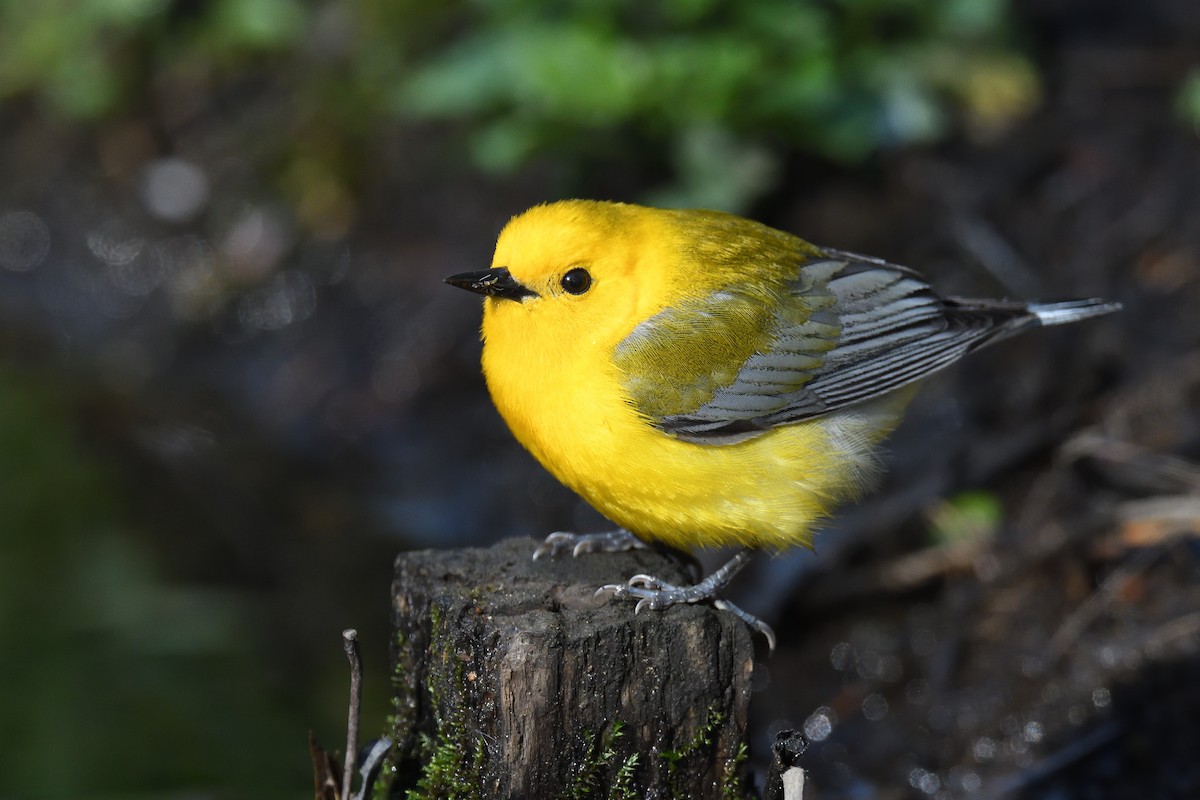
(767, 491)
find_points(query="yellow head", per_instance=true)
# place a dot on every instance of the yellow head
(582, 274)
(569, 281)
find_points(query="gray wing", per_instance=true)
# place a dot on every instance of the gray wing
(891, 329)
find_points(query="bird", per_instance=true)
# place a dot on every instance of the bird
(702, 379)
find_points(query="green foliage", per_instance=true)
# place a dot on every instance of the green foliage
(87, 57)
(1187, 102)
(837, 79)
(966, 517)
(696, 84)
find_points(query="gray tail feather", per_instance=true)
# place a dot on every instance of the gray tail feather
(1071, 310)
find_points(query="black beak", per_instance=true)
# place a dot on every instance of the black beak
(495, 282)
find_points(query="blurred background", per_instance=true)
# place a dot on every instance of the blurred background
(233, 386)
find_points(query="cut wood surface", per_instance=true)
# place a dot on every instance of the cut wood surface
(512, 681)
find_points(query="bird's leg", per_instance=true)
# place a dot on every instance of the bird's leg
(657, 594)
(650, 591)
(617, 541)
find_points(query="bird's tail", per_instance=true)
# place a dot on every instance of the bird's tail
(1071, 310)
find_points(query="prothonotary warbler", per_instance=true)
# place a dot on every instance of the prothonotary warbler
(702, 379)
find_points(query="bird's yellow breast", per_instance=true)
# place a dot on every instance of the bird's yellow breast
(567, 405)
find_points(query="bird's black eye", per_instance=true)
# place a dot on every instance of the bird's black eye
(576, 281)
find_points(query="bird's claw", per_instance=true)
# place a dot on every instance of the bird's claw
(579, 543)
(650, 592)
(656, 594)
(751, 620)
(643, 581)
(554, 544)
(610, 589)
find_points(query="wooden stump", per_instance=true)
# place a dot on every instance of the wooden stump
(511, 681)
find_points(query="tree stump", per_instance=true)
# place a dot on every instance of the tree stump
(511, 681)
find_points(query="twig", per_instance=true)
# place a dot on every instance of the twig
(1095, 605)
(1171, 509)
(1167, 634)
(324, 772)
(1134, 467)
(915, 569)
(350, 645)
(1076, 751)
(995, 254)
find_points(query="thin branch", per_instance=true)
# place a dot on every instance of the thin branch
(324, 772)
(350, 645)
(1097, 603)
(1054, 763)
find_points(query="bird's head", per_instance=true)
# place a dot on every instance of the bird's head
(582, 270)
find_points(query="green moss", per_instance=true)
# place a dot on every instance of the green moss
(451, 759)
(731, 781)
(400, 721)
(447, 774)
(622, 785)
(401, 689)
(392, 723)
(702, 742)
(601, 753)
(602, 765)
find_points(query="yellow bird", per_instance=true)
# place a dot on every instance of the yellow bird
(702, 379)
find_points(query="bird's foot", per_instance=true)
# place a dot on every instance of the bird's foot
(754, 622)
(654, 593)
(617, 541)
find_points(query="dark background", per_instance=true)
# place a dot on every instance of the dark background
(233, 386)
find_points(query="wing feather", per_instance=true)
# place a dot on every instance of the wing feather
(850, 329)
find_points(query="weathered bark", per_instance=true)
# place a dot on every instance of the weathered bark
(511, 681)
